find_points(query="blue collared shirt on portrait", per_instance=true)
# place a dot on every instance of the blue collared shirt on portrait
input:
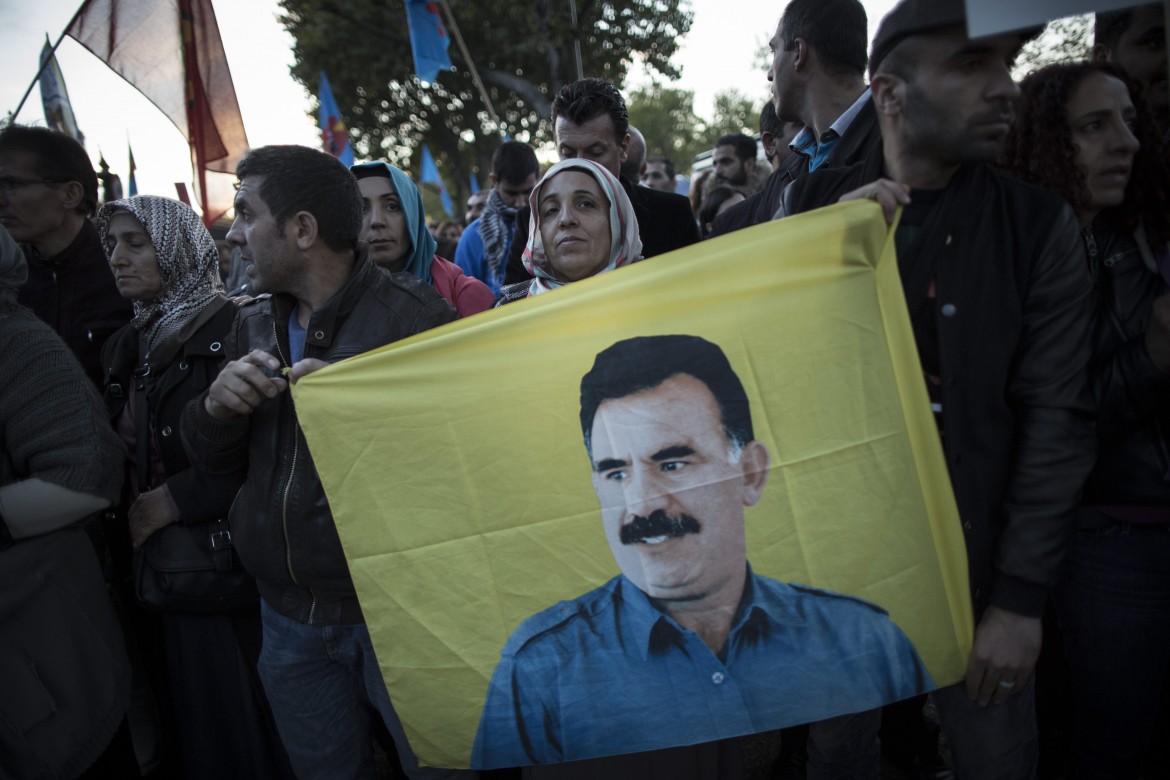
(610, 673)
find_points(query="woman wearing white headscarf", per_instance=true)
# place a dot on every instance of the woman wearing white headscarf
(582, 225)
(164, 261)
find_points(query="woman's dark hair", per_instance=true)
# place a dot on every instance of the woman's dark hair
(1040, 149)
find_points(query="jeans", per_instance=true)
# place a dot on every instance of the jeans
(1113, 602)
(322, 682)
(999, 741)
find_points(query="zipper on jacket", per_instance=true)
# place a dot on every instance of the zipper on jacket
(292, 470)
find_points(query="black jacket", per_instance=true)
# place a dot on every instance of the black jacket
(1014, 316)
(860, 139)
(665, 223)
(281, 523)
(1133, 461)
(170, 387)
(74, 292)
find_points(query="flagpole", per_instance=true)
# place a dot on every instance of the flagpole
(194, 86)
(576, 39)
(37, 77)
(471, 66)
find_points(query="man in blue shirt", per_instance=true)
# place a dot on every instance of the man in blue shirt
(687, 644)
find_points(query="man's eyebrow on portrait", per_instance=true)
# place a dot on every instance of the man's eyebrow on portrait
(667, 453)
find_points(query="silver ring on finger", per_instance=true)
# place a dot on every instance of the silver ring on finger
(1007, 685)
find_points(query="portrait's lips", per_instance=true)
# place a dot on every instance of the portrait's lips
(568, 240)
(657, 527)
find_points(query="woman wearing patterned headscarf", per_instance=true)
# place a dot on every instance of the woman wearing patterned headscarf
(394, 226)
(164, 261)
(582, 225)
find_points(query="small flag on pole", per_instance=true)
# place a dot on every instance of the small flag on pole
(333, 134)
(55, 98)
(430, 175)
(133, 183)
(474, 184)
(428, 38)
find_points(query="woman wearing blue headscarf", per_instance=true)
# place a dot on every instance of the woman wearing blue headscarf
(395, 227)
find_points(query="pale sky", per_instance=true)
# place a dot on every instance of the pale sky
(717, 54)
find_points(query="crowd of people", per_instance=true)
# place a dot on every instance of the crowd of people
(175, 599)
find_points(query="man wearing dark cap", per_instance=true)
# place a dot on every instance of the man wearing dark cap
(998, 294)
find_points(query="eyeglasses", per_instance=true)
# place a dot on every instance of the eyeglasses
(13, 183)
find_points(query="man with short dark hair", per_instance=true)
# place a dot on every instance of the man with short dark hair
(999, 299)
(1135, 39)
(776, 137)
(483, 248)
(734, 161)
(629, 666)
(635, 163)
(818, 79)
(590, 121)
(298, 218)
(659, 174)
(475, 205)
(48, 191)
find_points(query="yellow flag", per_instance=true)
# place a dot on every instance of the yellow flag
(473, 517)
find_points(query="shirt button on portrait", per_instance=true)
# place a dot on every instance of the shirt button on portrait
(717, 678)
(166, 431)
(948, 310)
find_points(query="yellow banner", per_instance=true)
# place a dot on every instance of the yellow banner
(675, 584)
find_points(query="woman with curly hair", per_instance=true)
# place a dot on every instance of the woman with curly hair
(1084, 132)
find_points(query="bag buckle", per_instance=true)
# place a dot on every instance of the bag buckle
(220, 540)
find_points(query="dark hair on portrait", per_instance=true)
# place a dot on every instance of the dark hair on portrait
(643, 363)
(514, 162)
(1040, 149)
(59, 158)
(587, 99)
(744, 145)
(667, 165)
(769, 122)
(297, 178)
(837, 29)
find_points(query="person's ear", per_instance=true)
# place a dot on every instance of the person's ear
(1101, 53)
(72, 195)
(888, 92)
(492, 178)
(800, 55)
(754, 461)
(305, 229)
(624, 147)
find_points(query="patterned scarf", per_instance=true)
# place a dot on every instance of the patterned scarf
(422, 243)
(495, 228)
(13, 269)
(625, 243)
(188, 264)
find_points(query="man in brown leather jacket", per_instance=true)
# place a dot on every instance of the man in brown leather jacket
(999, 299)
(298, 217)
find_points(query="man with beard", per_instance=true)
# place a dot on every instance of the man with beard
(998, 292)
(687, 644)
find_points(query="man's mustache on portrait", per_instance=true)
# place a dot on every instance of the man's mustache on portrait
(657, 527)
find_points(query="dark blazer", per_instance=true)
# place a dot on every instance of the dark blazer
(665, 223)
(862, 136)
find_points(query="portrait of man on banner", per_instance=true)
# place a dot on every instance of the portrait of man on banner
(687, 626)
(659, 507)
